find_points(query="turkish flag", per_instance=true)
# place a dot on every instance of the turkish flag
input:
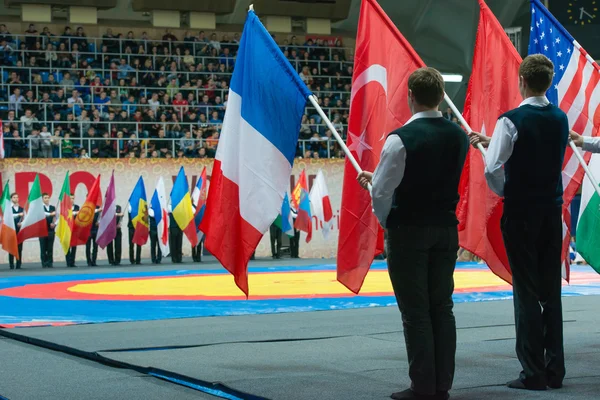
(378, 105)
(492, 91)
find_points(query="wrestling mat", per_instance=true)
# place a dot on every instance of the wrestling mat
(134, 296)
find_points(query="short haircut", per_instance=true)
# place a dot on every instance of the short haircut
(427, 85)
(13, 194)
(45, 194)
(538, 71)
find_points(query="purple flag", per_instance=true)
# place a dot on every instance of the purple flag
(107, 229)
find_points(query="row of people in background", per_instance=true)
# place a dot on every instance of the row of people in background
(113, 250)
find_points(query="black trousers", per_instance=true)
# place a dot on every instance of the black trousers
(91, 250)
(155, 252)
(114, 249)
(71, 256)
(47, 250)
(421, 262)
(176, 244)
(138, 249)
(197, 251)
(11, 258)
(276, 236)
(295, 244)
(533, 243)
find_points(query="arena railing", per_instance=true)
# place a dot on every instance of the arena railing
(55, 150)
(61, 107)
(171, 45)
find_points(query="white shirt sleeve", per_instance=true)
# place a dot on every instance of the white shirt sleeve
(591, 144)
(499, 151)
(388, 176)
(151, 212)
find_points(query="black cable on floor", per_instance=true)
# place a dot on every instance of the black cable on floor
(213, 388)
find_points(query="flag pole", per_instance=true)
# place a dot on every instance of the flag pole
(313, 100)
(588, 173)
(462, 121)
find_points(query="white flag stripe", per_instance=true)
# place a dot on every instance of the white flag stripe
(569, 75)
(580, 100)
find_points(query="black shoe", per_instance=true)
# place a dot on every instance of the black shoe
(138, 263)
(12, 267)
(519, 384)
(409, 394)
(19, 267)
(555, 384)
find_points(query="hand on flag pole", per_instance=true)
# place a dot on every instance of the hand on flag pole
(576, 140)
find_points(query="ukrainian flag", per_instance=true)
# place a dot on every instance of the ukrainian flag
(138, 213)
(181, 206)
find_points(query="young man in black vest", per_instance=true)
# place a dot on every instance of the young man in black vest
(18, 215)
(72, 250)
(137, 260)
(155, 251)
(415, 193)
(91, 247)
(530, 142)
(47, 242)
(175, 239)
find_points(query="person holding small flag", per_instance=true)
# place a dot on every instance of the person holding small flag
(47, 242)
(532, 187)
(70, 258)
(427, 152)
(18, 215)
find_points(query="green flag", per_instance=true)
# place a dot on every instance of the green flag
(588, 226)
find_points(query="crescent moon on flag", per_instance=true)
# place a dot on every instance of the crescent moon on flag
(375, 73)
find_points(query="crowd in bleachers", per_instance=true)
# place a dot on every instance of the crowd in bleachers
(67, 95)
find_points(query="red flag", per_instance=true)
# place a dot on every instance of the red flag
(378, 105)
(304, 218)
(492, 91)
(82, 225)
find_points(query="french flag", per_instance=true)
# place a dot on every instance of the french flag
(256, 150)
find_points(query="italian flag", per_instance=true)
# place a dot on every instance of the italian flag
(64, 228)
(34, 223)
(8, 233)
(588, 226)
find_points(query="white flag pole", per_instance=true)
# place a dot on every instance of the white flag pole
(462, 121)
(588, 173)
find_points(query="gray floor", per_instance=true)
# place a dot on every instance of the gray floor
(351, 354)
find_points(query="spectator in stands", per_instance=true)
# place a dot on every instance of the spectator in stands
(67, 82)
(19, 146)
(67, 146)
(50, 56)
(102, 103)
(6, 51)
(4, 33)
(45, 143)
(28, 122)
(46, 33)
(168, 36)
(448, 114)
(180, 106)
(33, 142)
(214, 43)
(11, 121)
(305, 75)
(31, 36)
(75, 103)
(56, 144)
(15, 100)
(201, 153)
(124, 69)
(83, 153)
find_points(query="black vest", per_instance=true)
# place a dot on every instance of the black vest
(533, 173)
(435, 154)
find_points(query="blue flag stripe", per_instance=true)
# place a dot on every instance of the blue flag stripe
(273, 95)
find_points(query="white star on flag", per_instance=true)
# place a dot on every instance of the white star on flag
(541, 20)
(561, 67)
(568, 50)
(537, 24)
(358, 144)
(556, 87)
(557, 40)
(550, 30)
(559, 54)
(545, 47)
(533, 10)
(531, 28)
(543, 35)
(535, 41)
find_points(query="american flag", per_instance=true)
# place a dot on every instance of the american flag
(575, 89)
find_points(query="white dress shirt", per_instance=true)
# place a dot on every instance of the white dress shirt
(390, 170)
(591, 144)
(502, 145)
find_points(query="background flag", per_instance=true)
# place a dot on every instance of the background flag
(1, 140)
(138, 213)
(107, 228)
(302, 183)
(588, 226)
(34, 224)
(321, 205)
(304, 219)
(383, 62)
(199, 196)
(576, 90)
(256, 150)
(161, 215)
(64, 227)
(284, 220)
(82, 225)
(181, 204)
(8, 232)
(491, 92)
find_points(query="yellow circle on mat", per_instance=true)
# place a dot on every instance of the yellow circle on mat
(266, 284)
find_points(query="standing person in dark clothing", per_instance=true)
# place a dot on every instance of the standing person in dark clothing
(113, 250)
(47, 242)
(73, 250)
(138, 249)
(155, 251)
(91, 247)
(18, 215)
(175, 239)
(531, 184)
(197, 250)
(427, 152)
(276, 237)
(295, 240)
